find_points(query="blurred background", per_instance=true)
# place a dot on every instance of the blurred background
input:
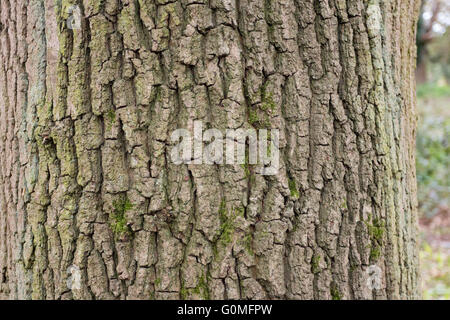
(433, 146)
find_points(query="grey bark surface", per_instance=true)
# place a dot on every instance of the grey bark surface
(86, 180)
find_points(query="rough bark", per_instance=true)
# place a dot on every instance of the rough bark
(86, 179)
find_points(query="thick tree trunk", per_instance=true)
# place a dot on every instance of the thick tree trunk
(91, 205)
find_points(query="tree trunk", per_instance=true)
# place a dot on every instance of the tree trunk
(92, 207)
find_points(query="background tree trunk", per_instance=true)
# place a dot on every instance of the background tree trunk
(88, 188)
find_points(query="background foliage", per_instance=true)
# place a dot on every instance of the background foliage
(433, 147)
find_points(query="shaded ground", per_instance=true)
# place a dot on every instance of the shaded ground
(435, 256)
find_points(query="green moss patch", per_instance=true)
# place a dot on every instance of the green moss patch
(118, 220)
